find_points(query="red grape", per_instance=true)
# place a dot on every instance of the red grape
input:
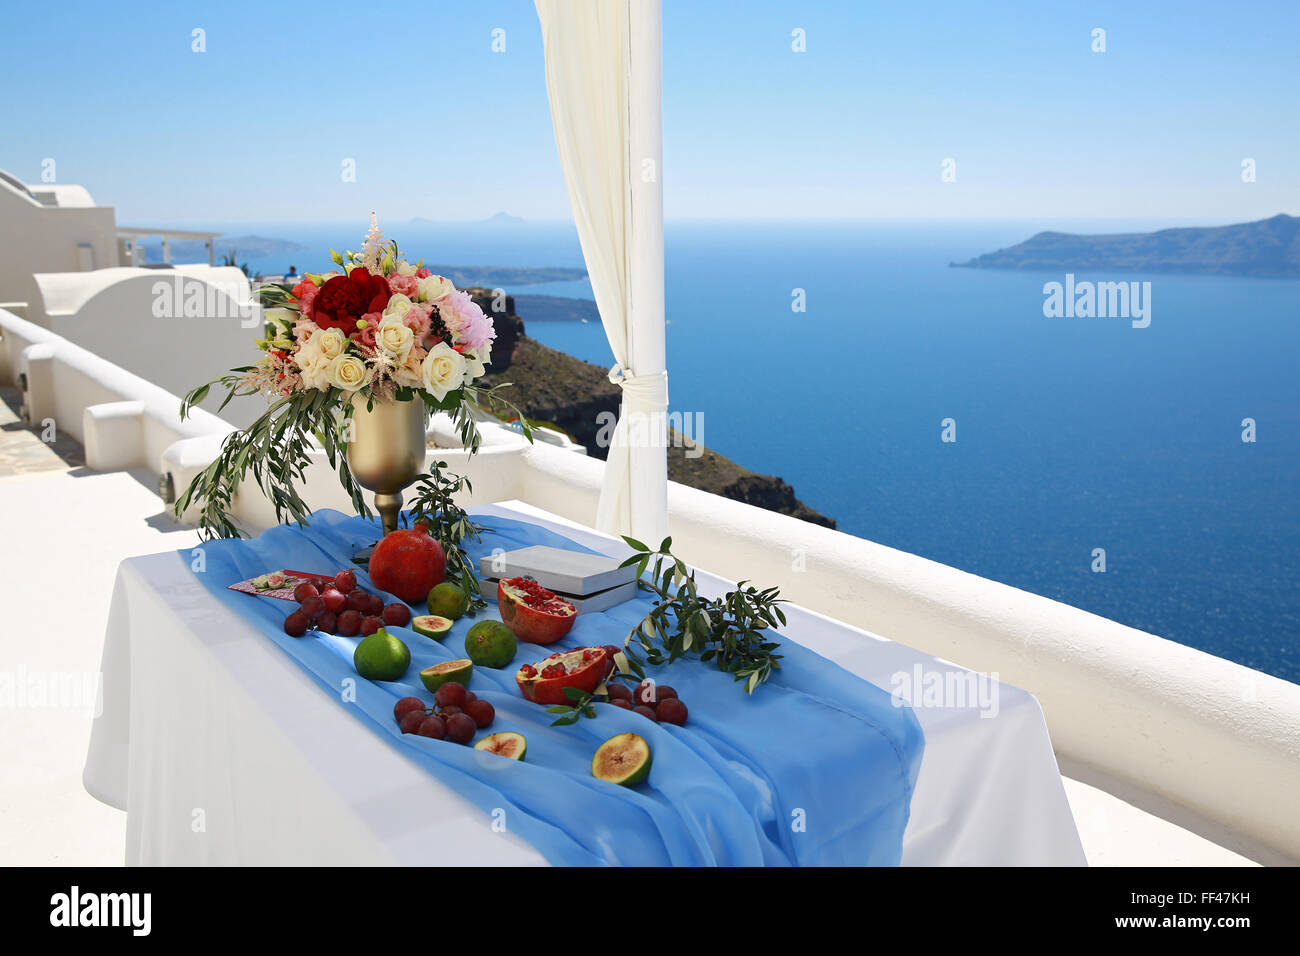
(618, 692)
(335, 600)
(359, 600)
(313, 606)
(448, 711)
(460, 728)
(369, 625)
(346, 580)
(328, 622)
(410, 723)
(470, 697)
(663, 692)
(295, 625)
(397, 615)
(450, 694)
(644, 693)
(622, 702)
(376, 605)
(406, 705)
(433, 726)
(644, 711)
(305, 590)
(349, 623)
(481, 711)
(671, 711)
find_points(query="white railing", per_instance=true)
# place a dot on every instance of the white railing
(1212, 744)
(121, 420)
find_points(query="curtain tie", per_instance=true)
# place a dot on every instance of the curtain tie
(643, 393)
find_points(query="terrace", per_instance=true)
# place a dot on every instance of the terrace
(1132, 794)
(1168, 756)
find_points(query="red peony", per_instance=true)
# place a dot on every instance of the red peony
(344, 299)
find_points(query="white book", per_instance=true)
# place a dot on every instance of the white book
(570, 573)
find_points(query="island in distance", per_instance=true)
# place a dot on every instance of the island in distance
(1269, 248)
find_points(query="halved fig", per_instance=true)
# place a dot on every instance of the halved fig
(624, 759)
(459, 671)
(432, 625)
(505, 743)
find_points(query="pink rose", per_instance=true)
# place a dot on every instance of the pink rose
(366, 337)
(417, 319)
(408, 286)
(302, 330)
(422, 273)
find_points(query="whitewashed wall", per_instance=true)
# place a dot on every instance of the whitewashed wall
(175, 327)
(40, 238)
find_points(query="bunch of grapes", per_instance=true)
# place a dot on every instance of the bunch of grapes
(342, 608)
(657, 702)
(455, 715)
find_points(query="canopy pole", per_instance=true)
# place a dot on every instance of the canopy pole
(647, 484)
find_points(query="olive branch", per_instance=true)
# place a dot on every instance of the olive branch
(729, 630)
(434, 504)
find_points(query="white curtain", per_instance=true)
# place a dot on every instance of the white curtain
(603, 80)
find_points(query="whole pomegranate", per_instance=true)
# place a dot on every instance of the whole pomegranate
(408, 563)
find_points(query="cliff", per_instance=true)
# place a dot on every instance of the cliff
(553, 387)
(1269, 248)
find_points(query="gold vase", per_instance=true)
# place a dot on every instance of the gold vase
(386, 451)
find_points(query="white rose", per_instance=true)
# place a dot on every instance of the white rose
(444, 370)
(348, 373)
(314, 365)
(410, 374)
(331, 342)
(398, 305)
(433, 288)
(404, 268)
(394, 338)
(475, 360)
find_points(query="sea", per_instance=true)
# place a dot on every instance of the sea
(1148, 475)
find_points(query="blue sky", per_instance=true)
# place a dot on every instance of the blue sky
(256, 128)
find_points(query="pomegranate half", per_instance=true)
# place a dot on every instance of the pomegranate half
(544, 682)
(533, 613)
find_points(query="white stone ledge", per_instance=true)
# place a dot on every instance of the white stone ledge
(114, 436)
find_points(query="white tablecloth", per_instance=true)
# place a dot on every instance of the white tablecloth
(223, 751)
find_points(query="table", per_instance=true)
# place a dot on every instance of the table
(222, 751)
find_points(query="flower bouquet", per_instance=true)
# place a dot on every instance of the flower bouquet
(381, 326)
(376, 331)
